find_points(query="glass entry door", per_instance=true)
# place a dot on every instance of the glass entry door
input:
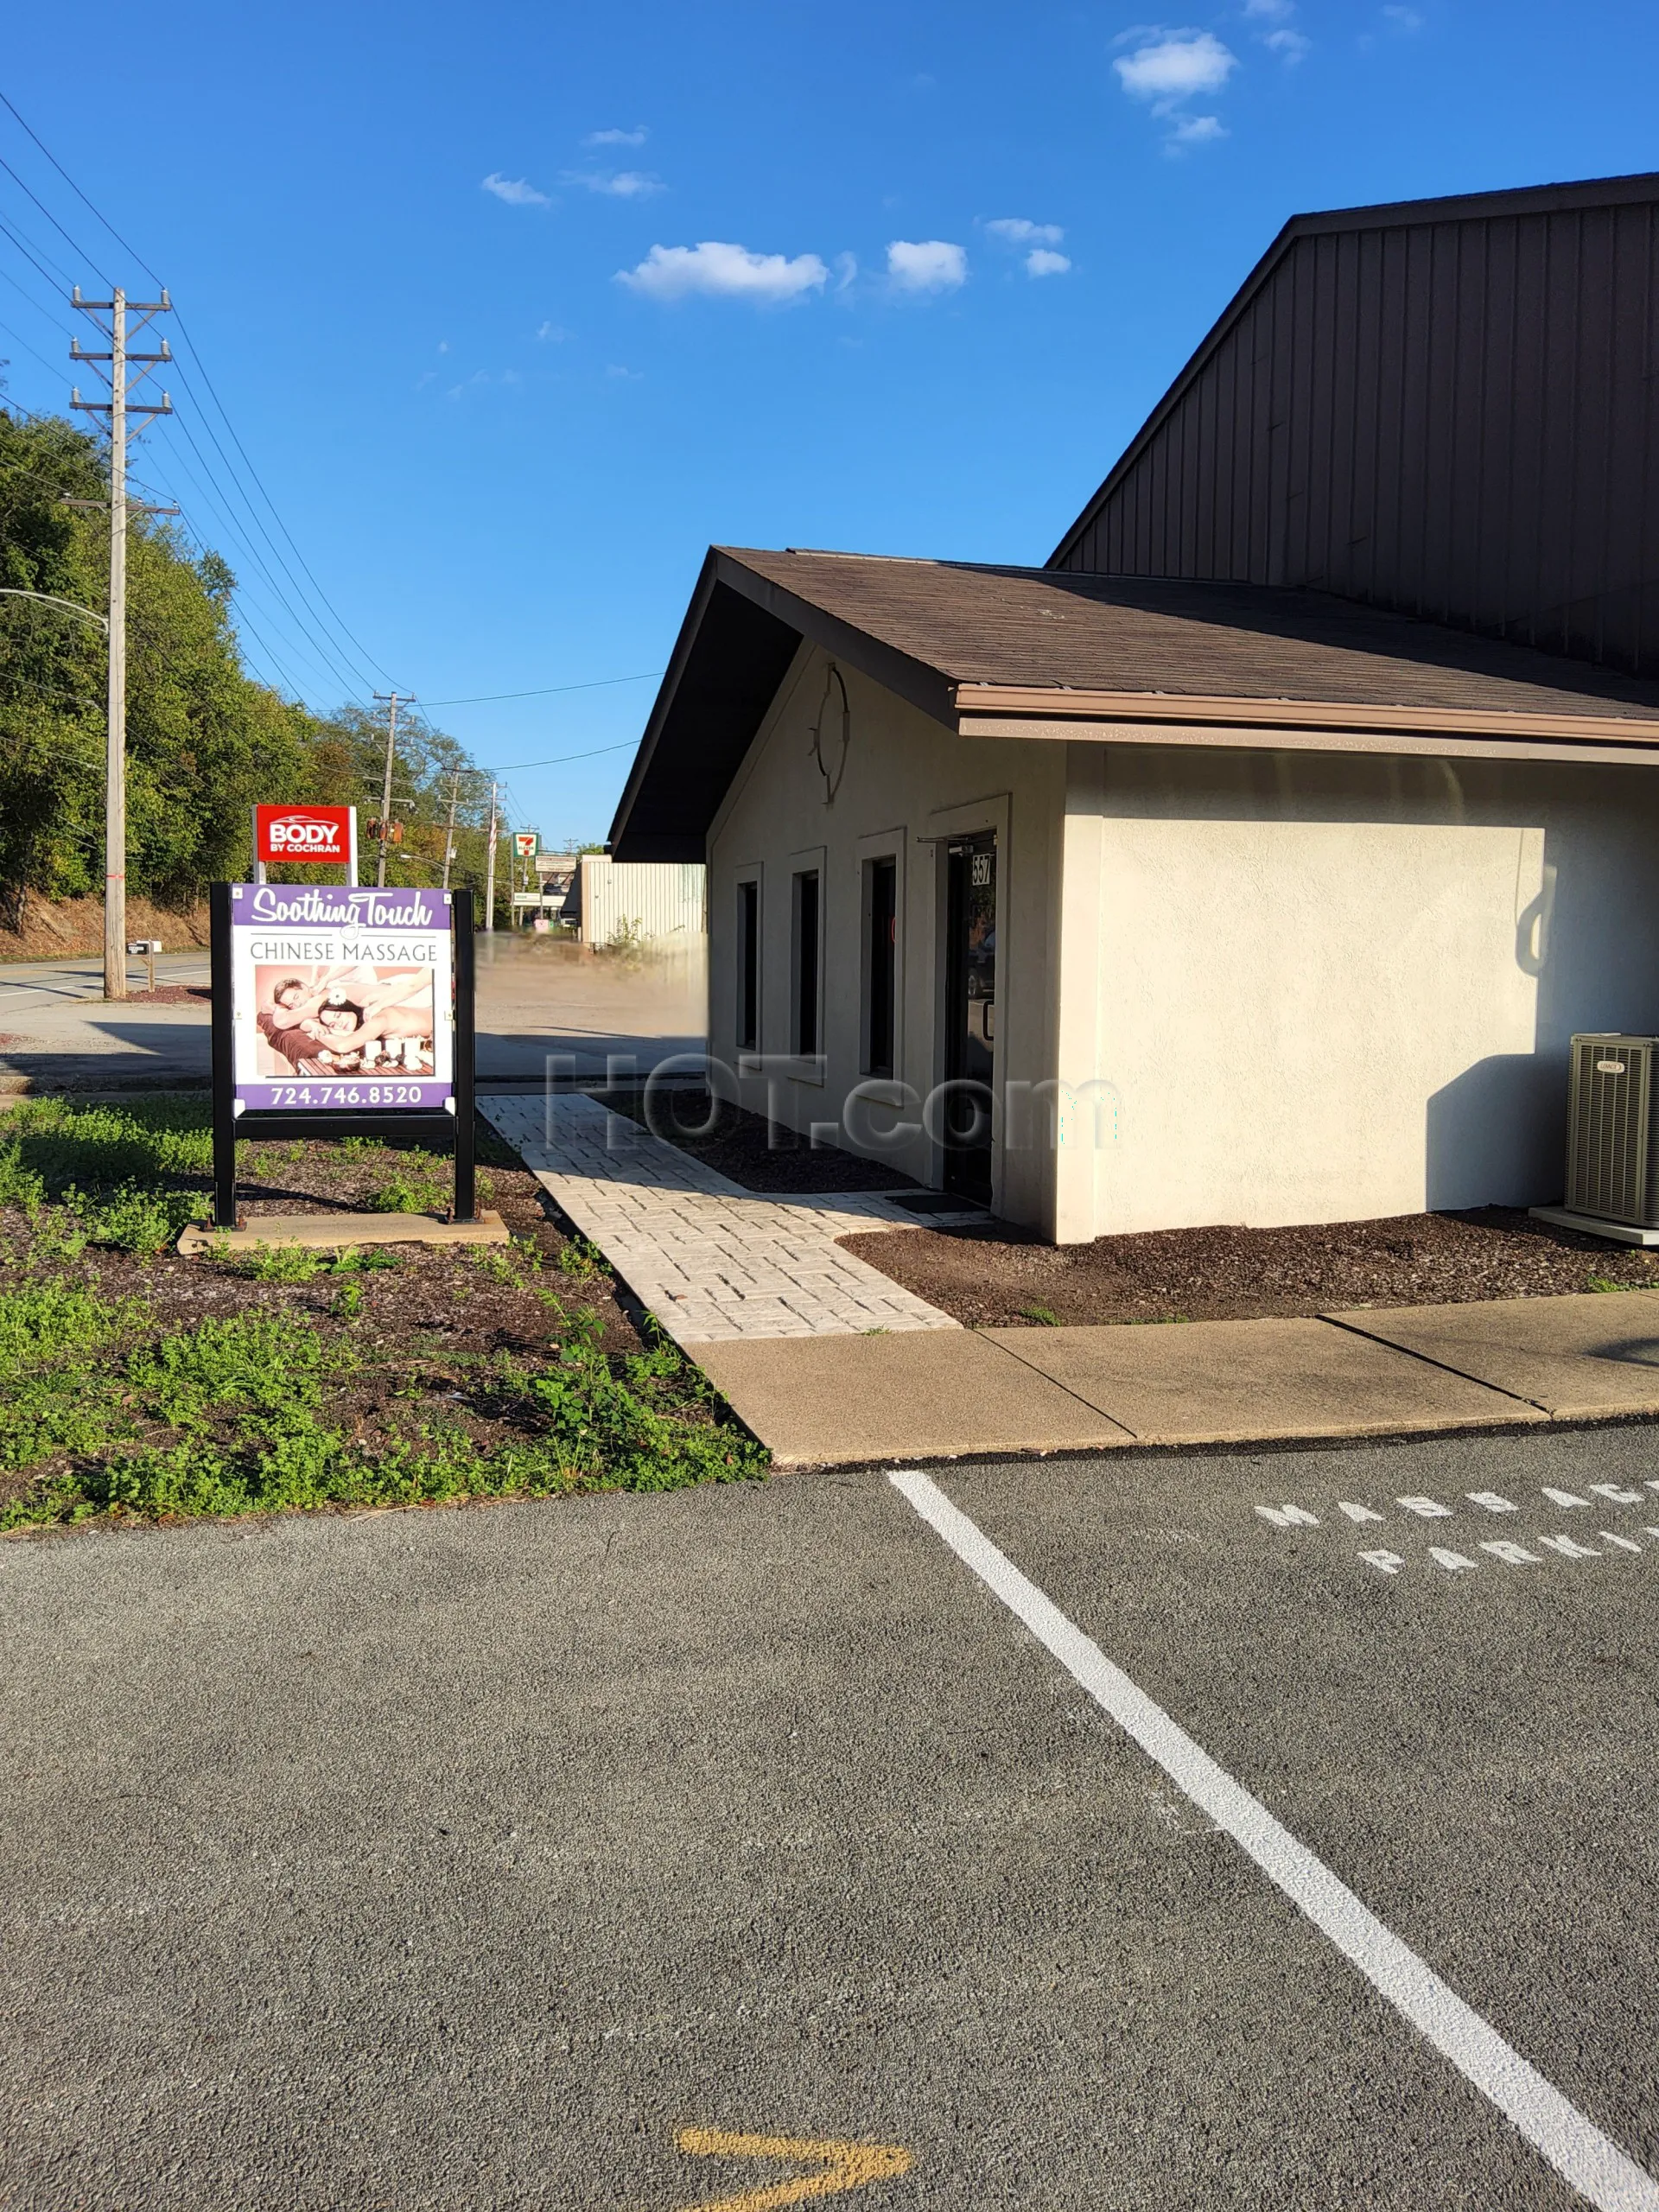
(971, 1014)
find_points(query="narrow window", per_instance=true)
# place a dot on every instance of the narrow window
(880, 954)
(806, 963)
(748, 967)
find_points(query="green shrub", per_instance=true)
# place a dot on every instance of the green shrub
(282, 1263)
(272, 1364)
(137, 1219)
(63, 1141)
(59, 1391)
(410, 1190)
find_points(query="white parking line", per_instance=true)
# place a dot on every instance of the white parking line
(1594, 2164)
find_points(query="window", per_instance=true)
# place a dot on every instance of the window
(881, 958)
(807, 936)
(748, 966)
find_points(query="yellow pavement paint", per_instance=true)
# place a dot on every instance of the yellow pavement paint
(840, 2166)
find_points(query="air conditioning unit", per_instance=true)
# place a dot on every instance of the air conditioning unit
(1612, 1129)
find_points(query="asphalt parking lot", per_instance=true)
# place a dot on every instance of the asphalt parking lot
(580, 1855)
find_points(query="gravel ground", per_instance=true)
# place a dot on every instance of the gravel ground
(999, 1276)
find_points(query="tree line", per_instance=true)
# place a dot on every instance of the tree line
(205, 739)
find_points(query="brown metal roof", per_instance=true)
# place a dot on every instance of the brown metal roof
(1122, 635)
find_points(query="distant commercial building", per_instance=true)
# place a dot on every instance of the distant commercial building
(661, 904)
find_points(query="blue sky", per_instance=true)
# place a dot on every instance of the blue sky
(515, 309)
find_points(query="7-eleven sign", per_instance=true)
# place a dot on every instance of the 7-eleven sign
(526, 844)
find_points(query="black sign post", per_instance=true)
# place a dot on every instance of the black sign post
(436, 1129)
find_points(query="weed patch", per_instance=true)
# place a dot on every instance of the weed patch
(138, 1385)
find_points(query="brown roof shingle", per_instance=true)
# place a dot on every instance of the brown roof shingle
(1044, 627)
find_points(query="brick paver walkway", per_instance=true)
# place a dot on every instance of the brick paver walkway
(707, 1257)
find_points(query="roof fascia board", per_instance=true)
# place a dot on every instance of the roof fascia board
(701, 593)
(975, 702)
(921, 684)
(1399, 214)
(1214, 738)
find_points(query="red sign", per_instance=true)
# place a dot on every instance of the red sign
(288, 834)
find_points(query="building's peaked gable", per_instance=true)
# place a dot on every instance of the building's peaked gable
(1449, 407)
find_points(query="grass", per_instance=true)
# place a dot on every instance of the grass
(110, 1411)
(1045, 1316)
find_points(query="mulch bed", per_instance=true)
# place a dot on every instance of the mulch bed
(759, 1154)
(170, 995)
(999, 1276)
(426, 1325)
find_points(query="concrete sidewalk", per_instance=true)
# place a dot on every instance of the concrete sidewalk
(1512, 1363)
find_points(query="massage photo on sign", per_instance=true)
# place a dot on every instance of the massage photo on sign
(343, 1020)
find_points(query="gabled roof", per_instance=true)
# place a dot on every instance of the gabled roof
(1582, 197)
(1028, 649)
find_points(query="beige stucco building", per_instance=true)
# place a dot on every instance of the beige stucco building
(1128, 902)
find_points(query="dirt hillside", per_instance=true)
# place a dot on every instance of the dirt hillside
(59, 930)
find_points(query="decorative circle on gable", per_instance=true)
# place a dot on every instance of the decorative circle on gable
(832, 733)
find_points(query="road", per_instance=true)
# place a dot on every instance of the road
(535, 999)
(465, 1859)
(29, 988)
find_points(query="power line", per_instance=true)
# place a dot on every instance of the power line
(330, 610)
(353, 679)
(79, 194)
(339, 673)
(50, 217)
(626, 746)
(51, 367)
(53, 275)
(330, 678)
(488, 698)
(23, 293)
(266, 496)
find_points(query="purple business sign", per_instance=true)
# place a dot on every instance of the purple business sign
(341, 998)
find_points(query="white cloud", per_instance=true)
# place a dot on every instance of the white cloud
(552, 334)
(637, 137)
(1018, 231)
(1174, 66)
(1289, 44)
(514, 191)
(1043, 261)
(846, 270)
(722, 271)
(925, 265)
(1404, 19)
(1195, 129)
(619, 184)
(1275, 11)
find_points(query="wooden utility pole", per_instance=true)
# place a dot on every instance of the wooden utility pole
(390, 700)
(489, 895)
(449, 832)
(119, 308)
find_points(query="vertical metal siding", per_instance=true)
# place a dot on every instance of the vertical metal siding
(662, 900)
(1453, 418)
